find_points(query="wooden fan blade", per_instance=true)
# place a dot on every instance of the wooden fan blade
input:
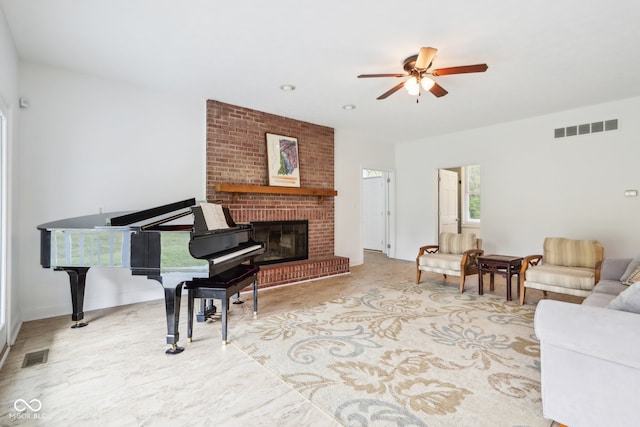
(478, 68)
(381, 75)
(391, 91)
(425, 56)
(438, 90)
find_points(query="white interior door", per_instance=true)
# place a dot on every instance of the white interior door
(374, 213)
(448, 201)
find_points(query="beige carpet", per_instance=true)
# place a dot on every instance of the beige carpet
(406, 355)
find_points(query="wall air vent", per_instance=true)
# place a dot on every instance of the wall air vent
(597, 127)
(586, 128)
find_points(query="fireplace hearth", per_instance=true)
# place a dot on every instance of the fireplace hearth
(283, 241)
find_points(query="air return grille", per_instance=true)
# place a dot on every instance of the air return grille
(35, 358)
(586, 128)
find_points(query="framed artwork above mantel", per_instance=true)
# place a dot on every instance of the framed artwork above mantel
(283, 165)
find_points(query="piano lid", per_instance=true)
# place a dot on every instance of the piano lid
(160, 214)
(128, 219)
(81, 222)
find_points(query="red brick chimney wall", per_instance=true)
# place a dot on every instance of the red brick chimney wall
(236, 154)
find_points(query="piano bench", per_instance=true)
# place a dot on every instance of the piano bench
(222, 286)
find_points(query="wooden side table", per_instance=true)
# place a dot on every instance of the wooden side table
(499, 264)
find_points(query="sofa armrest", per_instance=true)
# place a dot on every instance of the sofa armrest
(430, 249)
(470, 257)
(528, 261)
(594, 331)
(598, 271)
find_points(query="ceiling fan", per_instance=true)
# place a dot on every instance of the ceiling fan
(418, 67)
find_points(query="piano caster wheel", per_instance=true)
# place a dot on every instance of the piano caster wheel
(174, 349)
(78, 325)
(238, 302)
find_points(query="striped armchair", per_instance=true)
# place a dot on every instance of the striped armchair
(455, 255)
(566, 266)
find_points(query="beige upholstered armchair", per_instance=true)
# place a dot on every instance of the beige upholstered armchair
(566, 266)
(455, 255)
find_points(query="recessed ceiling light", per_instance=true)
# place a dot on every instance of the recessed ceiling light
(288, 88)
(349, 107)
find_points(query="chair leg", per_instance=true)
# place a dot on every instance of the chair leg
(418, 274)
(522, 292)
(462, 277)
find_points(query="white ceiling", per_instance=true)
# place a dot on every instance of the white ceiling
(543, 55)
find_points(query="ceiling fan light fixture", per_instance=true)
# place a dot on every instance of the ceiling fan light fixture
(412, 86)
(427, 83)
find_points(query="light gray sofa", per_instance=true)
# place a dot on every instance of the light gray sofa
(590, 353)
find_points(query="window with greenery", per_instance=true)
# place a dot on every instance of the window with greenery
(472, 194)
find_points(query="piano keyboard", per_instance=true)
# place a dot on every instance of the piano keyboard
(235, 254)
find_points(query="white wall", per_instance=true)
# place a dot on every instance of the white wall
(351, 156)
(533, 186)
(88, 144)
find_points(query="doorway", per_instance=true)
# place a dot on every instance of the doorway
(377, 200)
(459, 199)
(448, 201)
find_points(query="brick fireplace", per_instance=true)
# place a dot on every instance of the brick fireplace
(236, 154)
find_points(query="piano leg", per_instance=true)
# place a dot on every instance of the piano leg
(77, 281)
(172, 297)
(255, 297)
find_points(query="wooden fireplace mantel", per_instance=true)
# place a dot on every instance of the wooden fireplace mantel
(237, 189)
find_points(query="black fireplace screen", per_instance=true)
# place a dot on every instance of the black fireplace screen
(283, 240)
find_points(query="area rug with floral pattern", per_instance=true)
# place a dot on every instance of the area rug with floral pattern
(407, 355)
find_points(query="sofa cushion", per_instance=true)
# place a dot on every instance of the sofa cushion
(457, 244)
(633, 277)
(614, 268)
(566, 277)
(572, 253)
(628, 300)
(599, 299)
(635, 263)
(441, 261)
(610, 287)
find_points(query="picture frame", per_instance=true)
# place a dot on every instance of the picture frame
(283, 162)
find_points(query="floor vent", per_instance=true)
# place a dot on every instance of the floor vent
(35, 358)
(586, 128)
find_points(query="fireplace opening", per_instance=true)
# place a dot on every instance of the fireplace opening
(283, 240)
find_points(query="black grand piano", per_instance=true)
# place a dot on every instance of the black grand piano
(171, 244)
